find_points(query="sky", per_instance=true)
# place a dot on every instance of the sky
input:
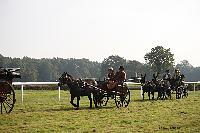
(96, 29)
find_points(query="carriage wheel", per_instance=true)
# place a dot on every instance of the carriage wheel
(7, 97)
(100, 99)
(103, 101)
(185, 93)
(178, 92)
(122, 98)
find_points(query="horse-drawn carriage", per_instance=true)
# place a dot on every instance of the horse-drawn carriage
(7, 93)
(99, 90)
(164, 87)
(120, 94)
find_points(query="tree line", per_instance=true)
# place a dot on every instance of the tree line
(157, 60)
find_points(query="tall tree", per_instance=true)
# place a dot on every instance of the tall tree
(187, 69)
(133, 68)
(1, 60)
(29, 69)
(160, 59)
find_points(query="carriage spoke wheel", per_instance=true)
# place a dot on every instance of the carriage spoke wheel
(100, 99)
(7, 97)
(103, 101)
(122, 99)
(178, 93)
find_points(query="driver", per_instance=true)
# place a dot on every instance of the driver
(119, 78)
(167, 75)
(166, 78)
(177, 77)
(110, 78)
(120, 75)
(177, 74)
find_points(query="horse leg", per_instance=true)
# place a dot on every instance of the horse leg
(153, 95)
(78, 99)
(170, 94)
(163, 95)
(90, 98)
(149, 95)
(158, 94)
(143, 95)
(72, 99)
(95, 99)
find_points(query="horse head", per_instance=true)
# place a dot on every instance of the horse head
(65, 79)
(143, 79)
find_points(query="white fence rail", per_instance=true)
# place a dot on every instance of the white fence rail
(23, 84)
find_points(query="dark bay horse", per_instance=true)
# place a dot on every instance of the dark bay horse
(147, 87)
(156, 85)
(177, 84)
(78, 87)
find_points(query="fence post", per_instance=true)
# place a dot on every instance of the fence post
(141, 91)
(59, 93)
(22, 92)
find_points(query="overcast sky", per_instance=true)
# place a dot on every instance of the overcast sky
(96, 29)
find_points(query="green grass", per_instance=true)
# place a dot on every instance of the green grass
(42, 112)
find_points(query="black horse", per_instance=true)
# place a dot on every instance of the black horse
(156, 85)
(77, 88)
(147, 87)
(164, 90)
(177, 84)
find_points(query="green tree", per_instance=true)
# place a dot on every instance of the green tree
(195, 75)
(160, 59)
(29, 71)
(1, 60)
(188, 70)
(185, 67)
(133, 68)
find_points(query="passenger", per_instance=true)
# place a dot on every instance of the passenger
(111, 73)
(166, 78)
(155, 78)
(177, 74)
(167, 75)
(110, 77)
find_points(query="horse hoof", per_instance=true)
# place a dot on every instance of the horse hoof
(76, 108)
(73, 104)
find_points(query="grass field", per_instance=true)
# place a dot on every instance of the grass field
(42, 112)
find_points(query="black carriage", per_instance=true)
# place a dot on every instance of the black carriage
(7, 93)
(120, 94)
